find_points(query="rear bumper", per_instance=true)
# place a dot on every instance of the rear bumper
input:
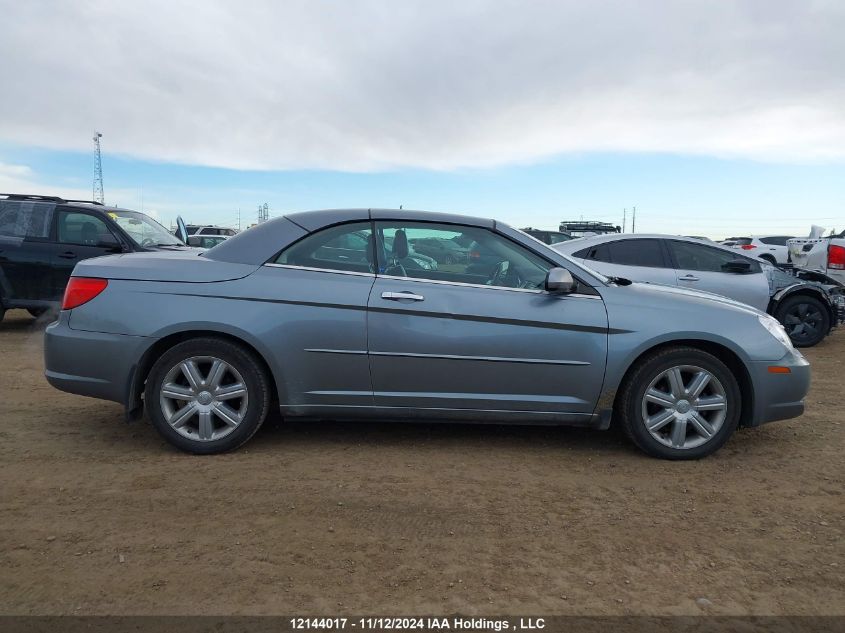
(91, 364)
(779, 396)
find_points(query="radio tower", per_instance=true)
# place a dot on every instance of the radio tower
(263, 212)
(99, 196)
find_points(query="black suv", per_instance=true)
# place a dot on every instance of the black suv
(42, 238)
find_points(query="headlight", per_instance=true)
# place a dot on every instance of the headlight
(775, 329)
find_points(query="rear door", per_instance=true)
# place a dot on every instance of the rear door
(637, 259)
(79, 235)
(25, 251)
(702, 267)
(468, 337)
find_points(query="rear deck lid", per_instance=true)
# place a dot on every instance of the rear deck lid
(179, 266)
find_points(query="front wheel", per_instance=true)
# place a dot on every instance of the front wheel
(207, 395)
(805, 319)
(680, 403)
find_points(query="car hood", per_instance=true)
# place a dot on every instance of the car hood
(182, 265)
(683, 294)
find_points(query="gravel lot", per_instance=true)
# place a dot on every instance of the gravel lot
(101, 517)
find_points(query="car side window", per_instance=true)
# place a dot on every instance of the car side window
(23, 219)
(458, 254)
(346, 247)
(83, 229)
(777, 240)
(704, 258)
(645, 252)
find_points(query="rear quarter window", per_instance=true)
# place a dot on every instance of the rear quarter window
(23, 219)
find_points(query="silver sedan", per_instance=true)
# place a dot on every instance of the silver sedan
(296, 316)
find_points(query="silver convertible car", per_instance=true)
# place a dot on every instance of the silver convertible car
(295, 314)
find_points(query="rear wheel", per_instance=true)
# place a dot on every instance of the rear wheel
(769, 259)
(805, 319)
(37, 312)
(207, 395)
(680, 403)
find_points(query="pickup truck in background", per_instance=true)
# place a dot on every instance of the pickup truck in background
(825, 255)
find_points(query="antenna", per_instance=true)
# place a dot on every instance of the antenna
(99, 196)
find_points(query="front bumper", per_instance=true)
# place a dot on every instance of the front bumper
(92, 364)
(779, 396)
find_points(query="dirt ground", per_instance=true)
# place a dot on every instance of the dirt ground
(102, 517)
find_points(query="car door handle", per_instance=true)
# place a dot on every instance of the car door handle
(689, 278)
(67, 255)
(398, 296)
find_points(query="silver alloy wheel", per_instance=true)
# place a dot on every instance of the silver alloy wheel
(684, 407)
(204, 398)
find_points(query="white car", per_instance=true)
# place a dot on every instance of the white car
(771, 248)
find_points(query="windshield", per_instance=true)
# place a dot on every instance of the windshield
(143, 229)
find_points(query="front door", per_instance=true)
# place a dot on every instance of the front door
(702, 267)
(462, 335)
(79, 235)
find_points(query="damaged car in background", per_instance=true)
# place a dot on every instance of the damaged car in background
(807, 306)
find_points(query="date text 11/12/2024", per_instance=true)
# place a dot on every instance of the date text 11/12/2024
(415, 624)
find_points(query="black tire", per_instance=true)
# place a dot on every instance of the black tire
(243, 361)
(37, 312)
(769, 259)
(805, 318)
(631, 398)
(2, 313)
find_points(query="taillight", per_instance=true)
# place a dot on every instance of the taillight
(81, 290)
(748, 247)
(836, 257)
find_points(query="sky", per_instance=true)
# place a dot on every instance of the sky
(712, 118)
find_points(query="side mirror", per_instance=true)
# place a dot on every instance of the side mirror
(737, 266)
(559, 280)
(109, 241)
(181, 229)
(194, 240)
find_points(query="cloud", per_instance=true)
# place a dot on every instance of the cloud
(23, 179)
(13, 173)
(373, 85)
